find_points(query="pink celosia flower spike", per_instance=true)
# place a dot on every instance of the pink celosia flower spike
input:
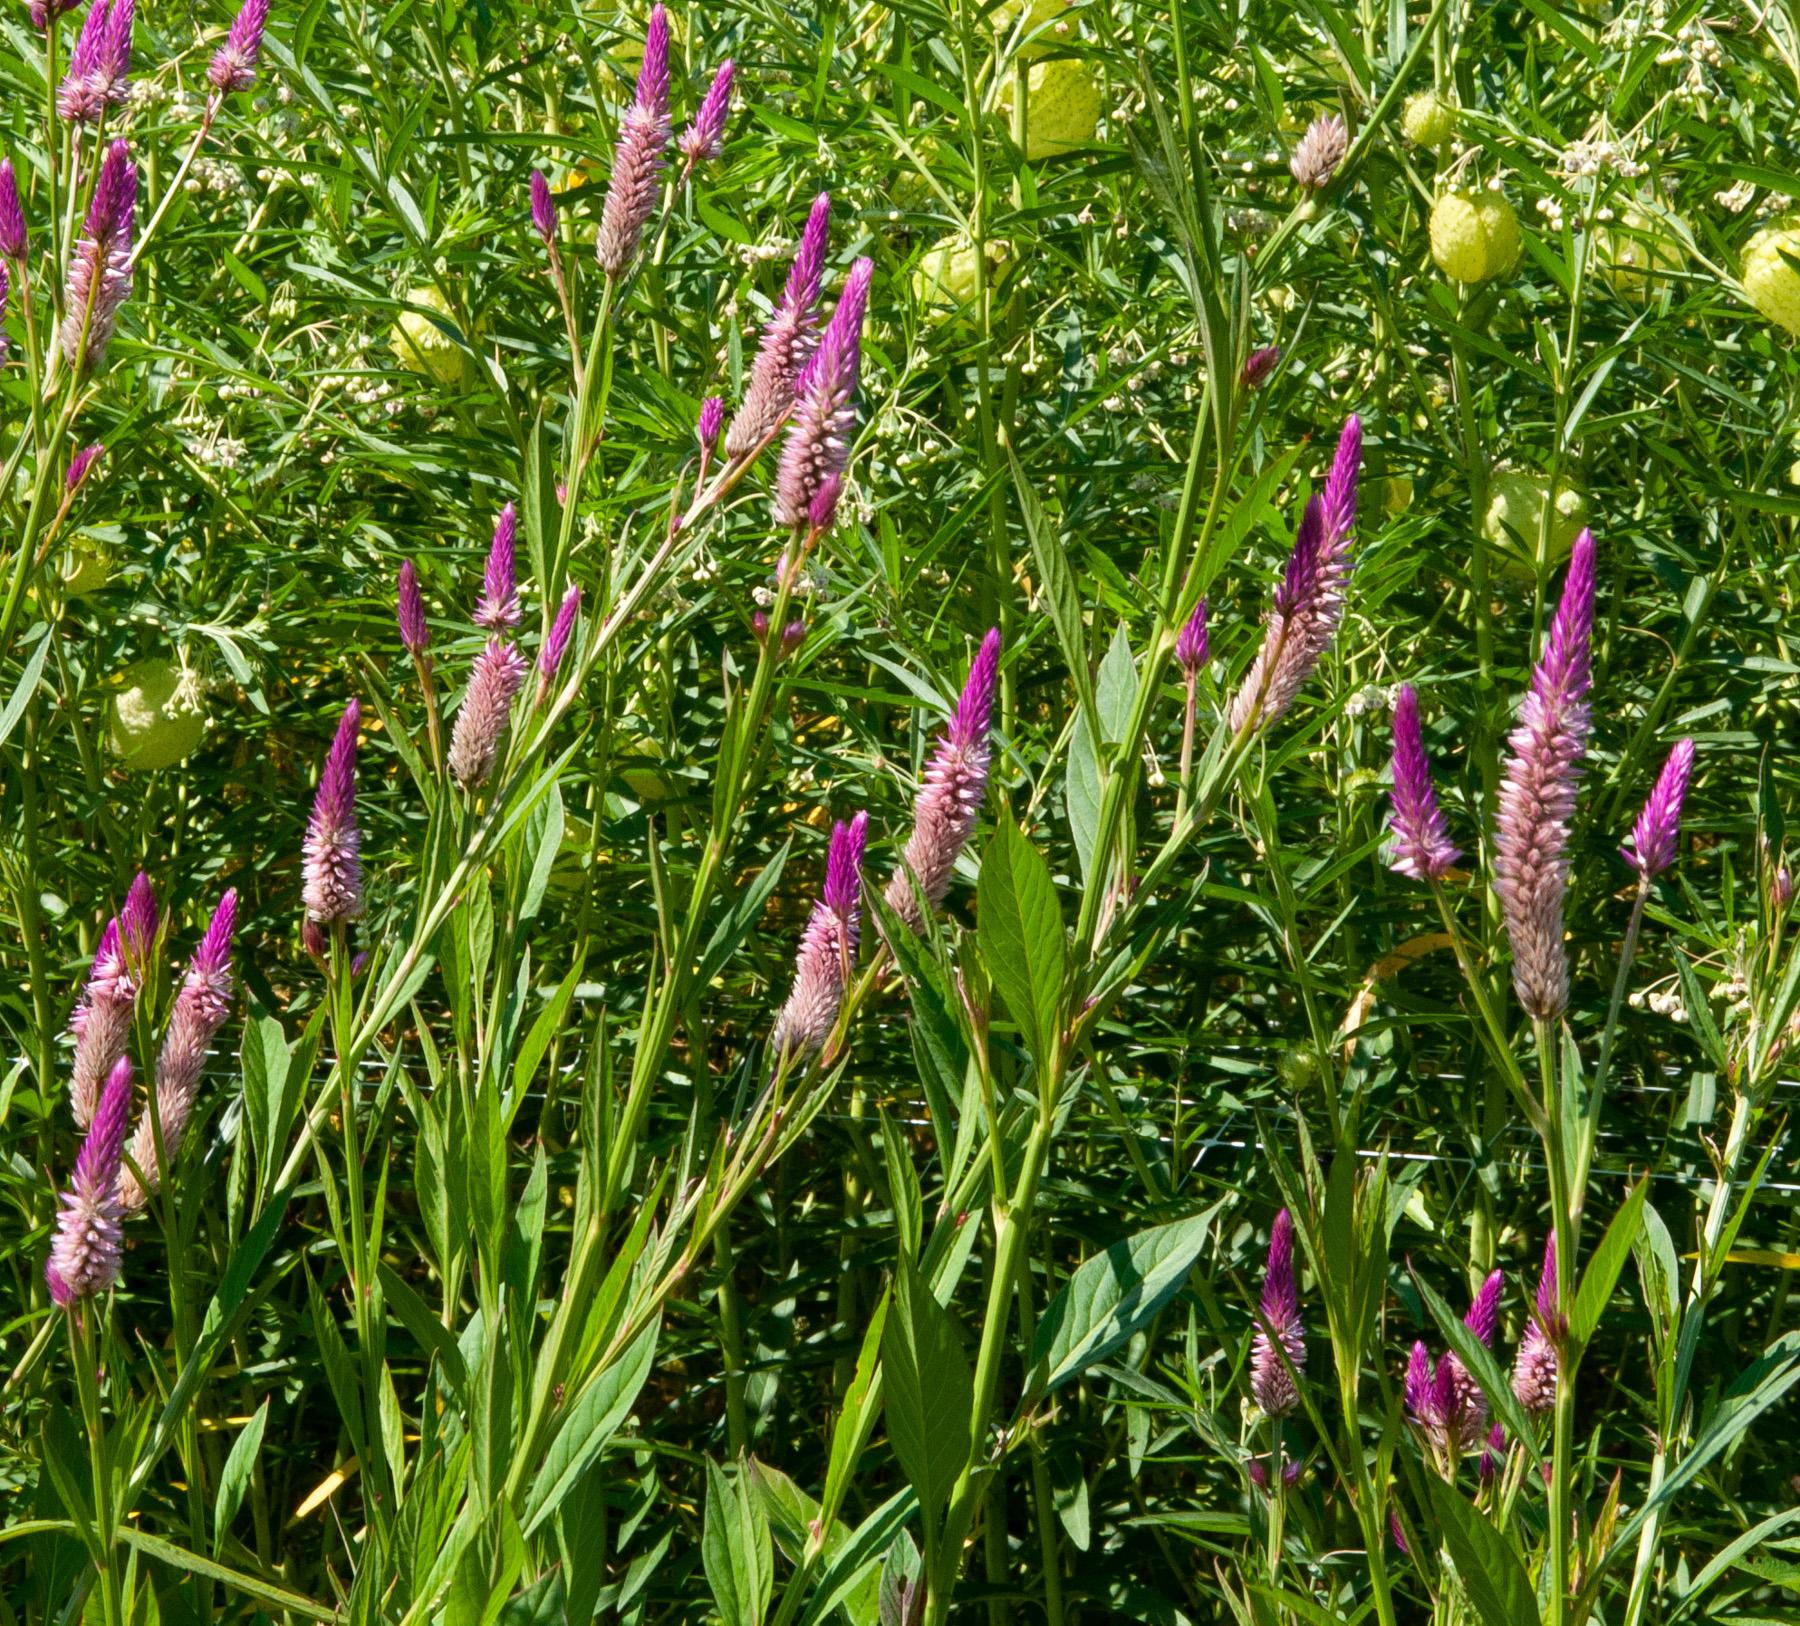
(556, 645)
(99, 278)
(1422, 846)
(81, 97)
(786, 341)
(13, 238)
(705, 137)
(1192, 646)
(543, 208)
(138, 922)
(827, 950)
(82, 464)
(84, 1257)
(101, 1023)
(638, 158)
(949, 800)
(499, 603)
(333, 888)
(1445, 1400)
(200, 1011)
(818, 442)
(233, 66)
(415, 632)
(1651, 849)
(1535, 1366)
(1537, 797)
(710, 422)
(482, 717)
(1278, 1332)
(1309, 603)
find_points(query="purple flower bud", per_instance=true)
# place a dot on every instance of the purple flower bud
(1259, 1473)
(759, 624)
(486, 707)
(1493, 1454)
(200, 1011)
(1319, 152)
(793, 635)
(1309, 604)
(81, 463)
(1258, 365)
(13, 239)
(84, 1257)
(1536, 1364)
(1537, 797)
(138, 922)
(1484, 1309)
(1781, 888)
(705, 137)
(333, 888)
(949, 800)
(1399, 1535)
(101, 1023)
(312, 940)
(1652, 846)
(1192, 647)
(712, 420)
(786, 341)
(41, 11)
(233, 66)
(1278, 1332)
(543, 208)
(415, 634)
(631, 194)
(1418, 1379)
(1422, 846)
(550, 657)
(818, 442)
(499, 603)
(827, 950)
(99, 278)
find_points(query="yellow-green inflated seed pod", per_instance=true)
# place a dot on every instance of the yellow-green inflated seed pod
(1515, 516)
(1429, 120)
(1038, 31)
(944, 279)
(1474, 235)
(1062, 107)
(1770, 282)
(421, 346)
(157, 716)
(1635, 255)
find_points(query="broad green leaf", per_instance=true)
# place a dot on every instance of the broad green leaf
(735, 1547)
(930, 1393)
(234, 1479)
(1116, 690)
(1113, 1294)
(844, 1574)
(1486, 1562)
(1602, 1273)
(1020, 931)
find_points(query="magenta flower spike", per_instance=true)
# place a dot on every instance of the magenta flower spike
(84, 1257)
(200, 1011)
(1422, 847)
(1309, 603)
(1192, 647)
(499, 603)
(1536, 1364)
(1537, 796)
(138, 921)
(409, 604)
(101, 1023)
(1444, 1399)
(631, 194)
(949, 800)
(13, 239)
(1258, 365)
(705, 137)
(115, 53)
(543, 208)
(556, 645)
(818, 441)
(5, 295)
(81, 95)
(100, 268)
(233, 66)
(1651, 849)
(1279, 1332)
(1493, 1454)
(711, 421)
(82, 463)
(482, 717)
(333, 887)
(786, 341)
(827, 949)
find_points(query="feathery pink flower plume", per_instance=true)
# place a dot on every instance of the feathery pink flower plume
(84, 1257)
(631, 193)
(333, 887)
(138, 920)
(13, 238)
(1309, 603)
(1537, 796)
(556, 645)
(818, 441)
(1278, 1331)
(200, 1011)
(99, 279)
(827, 950)
(101, 1023)
(1536, 1364)
(786, 340)
(233, 66)
(705, 137)
(1651, 849)
(482, 717)
(949, 800)
(1444, 1399)
(81, 97)
(1422, 846)
(499, 603)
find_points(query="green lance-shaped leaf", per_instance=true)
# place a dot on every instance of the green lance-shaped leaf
(1490, 1571)
(1021, 936)
(735, 1547)
(930, 1393)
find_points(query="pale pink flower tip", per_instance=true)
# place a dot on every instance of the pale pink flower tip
(1651, 849)
(1535, 1367)
(824, 418)
(233, 66)
(99, 277)
(631, 193)
(705, 137)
